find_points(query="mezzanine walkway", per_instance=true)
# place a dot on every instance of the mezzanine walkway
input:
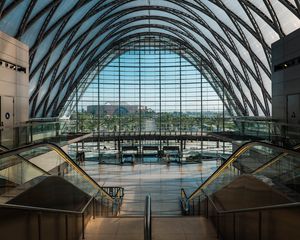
(151, 135)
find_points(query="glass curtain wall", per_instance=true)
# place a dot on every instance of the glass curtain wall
(149, 89)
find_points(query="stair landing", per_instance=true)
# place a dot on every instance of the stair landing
(163, 228)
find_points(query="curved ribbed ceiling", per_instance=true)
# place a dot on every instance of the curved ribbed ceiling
(67, 39)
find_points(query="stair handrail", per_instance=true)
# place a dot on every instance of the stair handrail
(184, 201)
(148, 219)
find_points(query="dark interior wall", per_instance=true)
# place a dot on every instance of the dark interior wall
(286, 79)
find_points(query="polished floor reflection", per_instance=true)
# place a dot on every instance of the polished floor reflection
(163, 182)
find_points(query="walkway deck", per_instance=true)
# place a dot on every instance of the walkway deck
(172, 228)
(163, 182)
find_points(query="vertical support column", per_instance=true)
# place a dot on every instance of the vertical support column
(119, 110)
(159, 66)
(223, 110)
(223, 117)
(201, 104)
(180, 100)
(77, 115)
(140, 100)
(98, 112)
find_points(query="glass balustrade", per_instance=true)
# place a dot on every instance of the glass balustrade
(25, 166)
(271, 164)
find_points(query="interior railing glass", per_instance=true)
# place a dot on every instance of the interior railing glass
(58, 132)
(25, 166)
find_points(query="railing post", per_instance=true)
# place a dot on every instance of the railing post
(67, 226)
(218, 224)
(82, 225)
(193, 208)
(39, 226)
(147, 220)
(234, 233)
(259, 225)
(206, 206)
(100, 205)
(199, 205)
(94, 208)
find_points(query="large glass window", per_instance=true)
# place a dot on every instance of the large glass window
(148, 89)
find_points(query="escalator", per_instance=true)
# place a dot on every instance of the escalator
(254, 194)
(7, 184)
(40, 185)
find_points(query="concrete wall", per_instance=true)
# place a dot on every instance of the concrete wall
(286, 82)
(14, 83)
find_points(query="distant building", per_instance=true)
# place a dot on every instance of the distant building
(113, 108)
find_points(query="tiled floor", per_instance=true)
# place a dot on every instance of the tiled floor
(183, 228)
(171, 228)
(163, 182)
(115, 229)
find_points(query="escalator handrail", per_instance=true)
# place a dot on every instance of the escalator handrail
(273, 160)
(62, 154)
(233, 157)
(5, 149)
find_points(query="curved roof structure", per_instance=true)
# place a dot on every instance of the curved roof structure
(67, 39)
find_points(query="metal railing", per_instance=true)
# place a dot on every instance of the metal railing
(184, 202)
(148, 219)
(115, 192)
(216, 215)
(153, 133)
(231, 224)
(67, 219)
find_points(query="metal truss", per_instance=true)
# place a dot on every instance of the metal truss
(68, 39)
